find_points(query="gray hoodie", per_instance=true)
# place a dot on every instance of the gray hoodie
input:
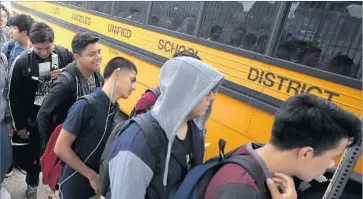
(184, 81)
(3, 87)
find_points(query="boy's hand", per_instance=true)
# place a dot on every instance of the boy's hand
(284, 183)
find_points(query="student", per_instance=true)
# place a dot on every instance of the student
(249, 41)
(79, 78)
(215, 33)
(188, 25)
(237, 36)
(308, 135)
(20, 28)
(188, 87)
(5, 128)
(342, 65)
(312, 56)
(34, 71)
(79, 139)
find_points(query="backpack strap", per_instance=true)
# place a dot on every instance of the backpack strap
(11, 45)
(147, 127)
(69, 76)
(155, 91)
(26, 71)
(90, 99)
(248, 163)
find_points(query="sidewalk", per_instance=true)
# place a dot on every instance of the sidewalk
(16, 186)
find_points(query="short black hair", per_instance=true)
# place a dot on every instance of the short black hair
(215, 28)
(240, 27)
(307, 120)
(40, 32)
(251, 38)
(81, 40)
(118, 62)
(342, 60)
(154, 20)
(342, 64)
(23, 22)
(186, 53)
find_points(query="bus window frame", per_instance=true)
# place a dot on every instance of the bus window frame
(325, 75)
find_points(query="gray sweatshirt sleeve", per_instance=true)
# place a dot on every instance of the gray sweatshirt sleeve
(129, 176)
(7, 115)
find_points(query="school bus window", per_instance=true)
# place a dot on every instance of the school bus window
(66, 2)
(239, 24)
(101, 6)
(177, 16)
(81, 4)
(130, 10)
(324, 35)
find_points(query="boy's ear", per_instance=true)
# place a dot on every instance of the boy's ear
(305, 153)
(75, 56)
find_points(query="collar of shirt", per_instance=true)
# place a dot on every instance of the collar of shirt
(19, 45)
(104, 99)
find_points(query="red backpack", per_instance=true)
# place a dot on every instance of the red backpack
(51, 165)
(146, 102)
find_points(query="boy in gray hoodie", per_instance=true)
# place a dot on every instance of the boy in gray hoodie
(188, 87)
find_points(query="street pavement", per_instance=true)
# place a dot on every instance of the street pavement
(16, 186)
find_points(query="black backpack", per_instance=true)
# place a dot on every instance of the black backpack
(147, 127)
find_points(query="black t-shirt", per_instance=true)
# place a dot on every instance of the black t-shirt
(187, 144)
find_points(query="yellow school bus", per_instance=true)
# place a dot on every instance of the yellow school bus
(268, 51)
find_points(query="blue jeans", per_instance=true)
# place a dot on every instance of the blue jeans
(6, 151)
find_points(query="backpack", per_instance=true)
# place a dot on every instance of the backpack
(197, 180)
(147, 127)
(50, 164)
(156, 92)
